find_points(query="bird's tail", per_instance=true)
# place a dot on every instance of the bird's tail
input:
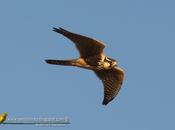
(60, 62)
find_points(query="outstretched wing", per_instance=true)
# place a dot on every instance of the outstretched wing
(112, 80)
(86, 46)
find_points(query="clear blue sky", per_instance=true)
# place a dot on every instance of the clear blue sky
(140, 34)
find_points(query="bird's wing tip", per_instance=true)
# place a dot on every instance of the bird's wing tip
(105, 102)
(59, 30)
(55, 29)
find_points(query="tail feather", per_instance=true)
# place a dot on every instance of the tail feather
(59, 62)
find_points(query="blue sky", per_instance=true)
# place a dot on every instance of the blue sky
(138, 33)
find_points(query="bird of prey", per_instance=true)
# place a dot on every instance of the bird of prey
(93, 58)
(3, 117)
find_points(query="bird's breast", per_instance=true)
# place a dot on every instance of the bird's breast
(106, 65)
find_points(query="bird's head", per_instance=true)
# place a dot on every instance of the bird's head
(4, 114)
(111, 61)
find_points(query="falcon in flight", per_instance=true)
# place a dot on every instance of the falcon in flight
(93, 58)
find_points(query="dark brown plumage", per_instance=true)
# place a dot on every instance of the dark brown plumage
(92, 57)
